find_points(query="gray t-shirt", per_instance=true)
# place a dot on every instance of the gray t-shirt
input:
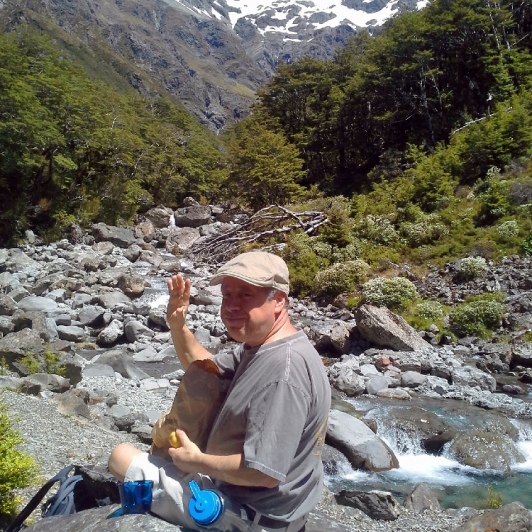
(276, 414)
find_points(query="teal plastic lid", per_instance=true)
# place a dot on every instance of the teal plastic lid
(205, 506)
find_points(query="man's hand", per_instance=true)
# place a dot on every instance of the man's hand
(188, 456)
(179, 290)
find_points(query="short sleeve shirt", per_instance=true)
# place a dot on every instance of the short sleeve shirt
(276, 414)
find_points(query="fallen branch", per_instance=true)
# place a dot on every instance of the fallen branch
(266, 224)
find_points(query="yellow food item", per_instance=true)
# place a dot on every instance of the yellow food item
(174, 440)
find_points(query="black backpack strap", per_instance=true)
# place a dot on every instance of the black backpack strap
(16, 525)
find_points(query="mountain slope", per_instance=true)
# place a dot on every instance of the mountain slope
(211, 54)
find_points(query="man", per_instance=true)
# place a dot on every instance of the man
(264, 449)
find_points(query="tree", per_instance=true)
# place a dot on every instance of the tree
(264, 169)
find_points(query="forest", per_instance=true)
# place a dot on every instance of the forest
(416, 143)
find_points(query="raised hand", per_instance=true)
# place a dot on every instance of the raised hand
(179, 290)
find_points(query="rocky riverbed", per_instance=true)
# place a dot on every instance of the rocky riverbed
(92, 308)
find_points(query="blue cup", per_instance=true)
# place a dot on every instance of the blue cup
(136, 496)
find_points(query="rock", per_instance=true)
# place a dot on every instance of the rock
(72, 333)
(71, 405)
(53, 383)
(513, 517)
(384, 328)
(412, 379)
(468, 376)
(344, 377)
(194, 216)
(330, 336)
(92, 316)
(113, 300)
(7, 305)
(422, 498)
(132, 285)
(522, 354)
(358, 443)
(122, 364)
(37, 303)
(160, 217)
(379, 505)
(485, 450)
(394, 393)
(137, 332)
(419, 424)
(96, 520)
(181, 239)
(111, 334)
(121, 237)
(16, 345)
(376, 385)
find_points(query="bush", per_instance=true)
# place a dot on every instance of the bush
(377, 229)
(508, 230)
(17, 469)
(430, 310)
(476, 318)
(395, 293)
(424, 230)
(340, 277)
(473, 267)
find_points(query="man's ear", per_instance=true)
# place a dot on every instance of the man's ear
(280, 300)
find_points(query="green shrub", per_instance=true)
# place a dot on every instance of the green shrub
(395, 293)
(527, 245)
(476, 318)
(52, 364)
(508, 230)
(377, 229)
(430, 310)
(473, 267)
(424, 230)
(17, 469)
(31, 364)
(340, 277)
(494, 498)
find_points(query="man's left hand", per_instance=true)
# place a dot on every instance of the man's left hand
(187, 457)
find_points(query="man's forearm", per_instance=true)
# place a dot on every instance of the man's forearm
(231, 469)
(188, 349)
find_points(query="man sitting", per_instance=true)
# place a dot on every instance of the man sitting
(264, 449)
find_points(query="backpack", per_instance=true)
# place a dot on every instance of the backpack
(62, 503)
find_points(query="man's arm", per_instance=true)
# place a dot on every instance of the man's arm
(189, 459)
(188, 349)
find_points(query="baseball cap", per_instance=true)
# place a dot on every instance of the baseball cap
(258, 268)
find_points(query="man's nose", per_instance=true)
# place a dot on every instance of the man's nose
(231, 303)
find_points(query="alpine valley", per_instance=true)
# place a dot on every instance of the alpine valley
(211, 55)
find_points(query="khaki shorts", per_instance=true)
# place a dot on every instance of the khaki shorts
(171, 496)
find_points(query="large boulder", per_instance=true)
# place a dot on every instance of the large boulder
(121, 237)
(345, 376)
(382, 327)
(485, 450)
(513, 517)
(380, 505)
(419, 424)
(362, 447)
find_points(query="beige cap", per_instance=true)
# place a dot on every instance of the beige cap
(257, 268)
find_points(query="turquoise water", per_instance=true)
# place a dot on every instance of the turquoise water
(455, 485)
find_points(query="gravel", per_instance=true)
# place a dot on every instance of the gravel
(56, 440)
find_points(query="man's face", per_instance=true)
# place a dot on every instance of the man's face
(246, 311)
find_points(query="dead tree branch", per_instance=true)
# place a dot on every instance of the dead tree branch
(269, 223)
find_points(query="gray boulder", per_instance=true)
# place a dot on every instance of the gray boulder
(362, 447)
(37, 303)
(421, 498)
(382, 327)
(121, 237)
(380, 505)
(473, 377)
(193, 216)
(111, 334)
(485, 450)
(344, 376)
(513, 517)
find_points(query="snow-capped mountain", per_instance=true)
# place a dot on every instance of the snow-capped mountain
(211, 54)
(289, 17)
